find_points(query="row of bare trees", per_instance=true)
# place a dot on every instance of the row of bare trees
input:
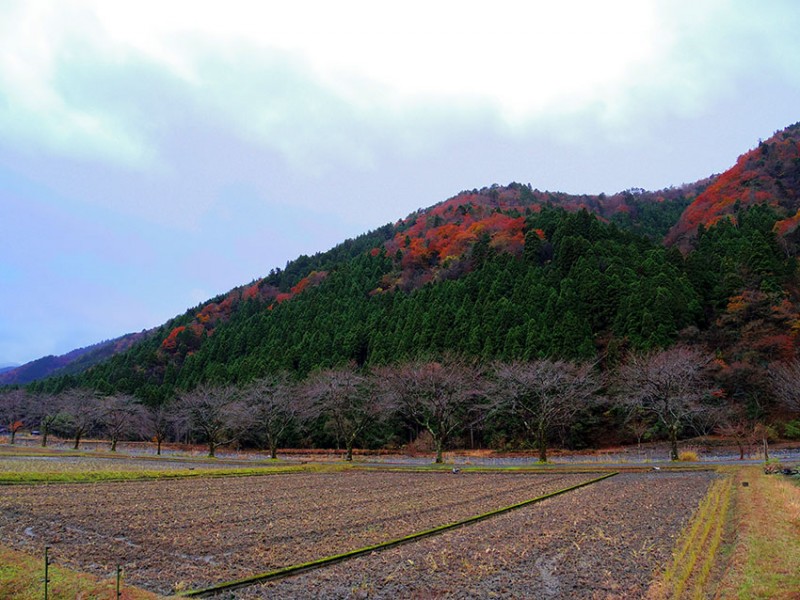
(669, 389)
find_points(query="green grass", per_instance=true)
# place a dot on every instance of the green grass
(44, 477)
(765, 552)
(22, 578)
(742, 543)
(688, 574)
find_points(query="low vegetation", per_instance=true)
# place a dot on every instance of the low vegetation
(22, 578)
(764, 556)
(696, 553)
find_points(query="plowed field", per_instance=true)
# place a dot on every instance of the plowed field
(604, 541)
(175, 534)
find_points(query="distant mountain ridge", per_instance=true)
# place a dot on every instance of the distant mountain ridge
(72, 362)
(768, 174)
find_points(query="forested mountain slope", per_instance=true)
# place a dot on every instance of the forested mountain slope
(509, 272)
(769, 174)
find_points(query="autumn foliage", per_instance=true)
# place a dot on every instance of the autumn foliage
(768, 174)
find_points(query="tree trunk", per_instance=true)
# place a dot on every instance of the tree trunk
(439, 445)
(211, 448)
(542, 451)
(13, 433)
(77, 441)
(541, 443)
(349, 455)
(113, 444)
(673, 443)
(273, 451)
(44, 437)
(766, 449)
(158, 446)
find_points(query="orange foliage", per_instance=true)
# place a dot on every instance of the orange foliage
(250, 293)
(313, 278)
(750, 181)
(787, 226)
(171, 341)
(737, 303)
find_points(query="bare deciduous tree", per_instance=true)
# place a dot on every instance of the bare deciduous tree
(157, 423)
(214, 412)
(544, 394)
(14, 409)
(274, 404)
(121, 415)
(639, 425)
(82, 411)
(736, 425)
(46, 408)
(347, 397)
(669, 384)
(441, 397)
(785, 382)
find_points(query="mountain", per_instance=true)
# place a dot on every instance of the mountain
(75, 361)
(768, 174)
(452, 277)
(7, 368)
(510, 272)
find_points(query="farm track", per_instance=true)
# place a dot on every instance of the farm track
(193, 533)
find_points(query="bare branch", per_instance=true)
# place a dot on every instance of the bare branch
(544, 394)
(274, 403)
(214, 412)
(441, 397)
(785, 382)
(348, 398)
(668, 384)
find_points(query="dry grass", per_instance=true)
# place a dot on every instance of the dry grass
(688, 574)
(22, 578)
(743, 542)
(765, 559)
(688, 456)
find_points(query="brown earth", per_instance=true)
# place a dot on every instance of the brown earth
(607, 540)
(192, 533)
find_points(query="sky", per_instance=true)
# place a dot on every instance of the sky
(154, 154)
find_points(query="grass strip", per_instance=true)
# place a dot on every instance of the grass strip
(702, 538)
(22, 578)
(337, 558)
(711, 553)
(765, 551)
(106, 454)
(42, 478)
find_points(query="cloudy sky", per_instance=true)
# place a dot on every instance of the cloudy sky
(154, 154)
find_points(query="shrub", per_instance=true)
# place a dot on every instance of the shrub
(791, 430)
(688, 456)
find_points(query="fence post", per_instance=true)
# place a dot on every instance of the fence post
(119, 576)
(46, 569)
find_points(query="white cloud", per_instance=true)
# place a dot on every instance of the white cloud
(324, 82)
